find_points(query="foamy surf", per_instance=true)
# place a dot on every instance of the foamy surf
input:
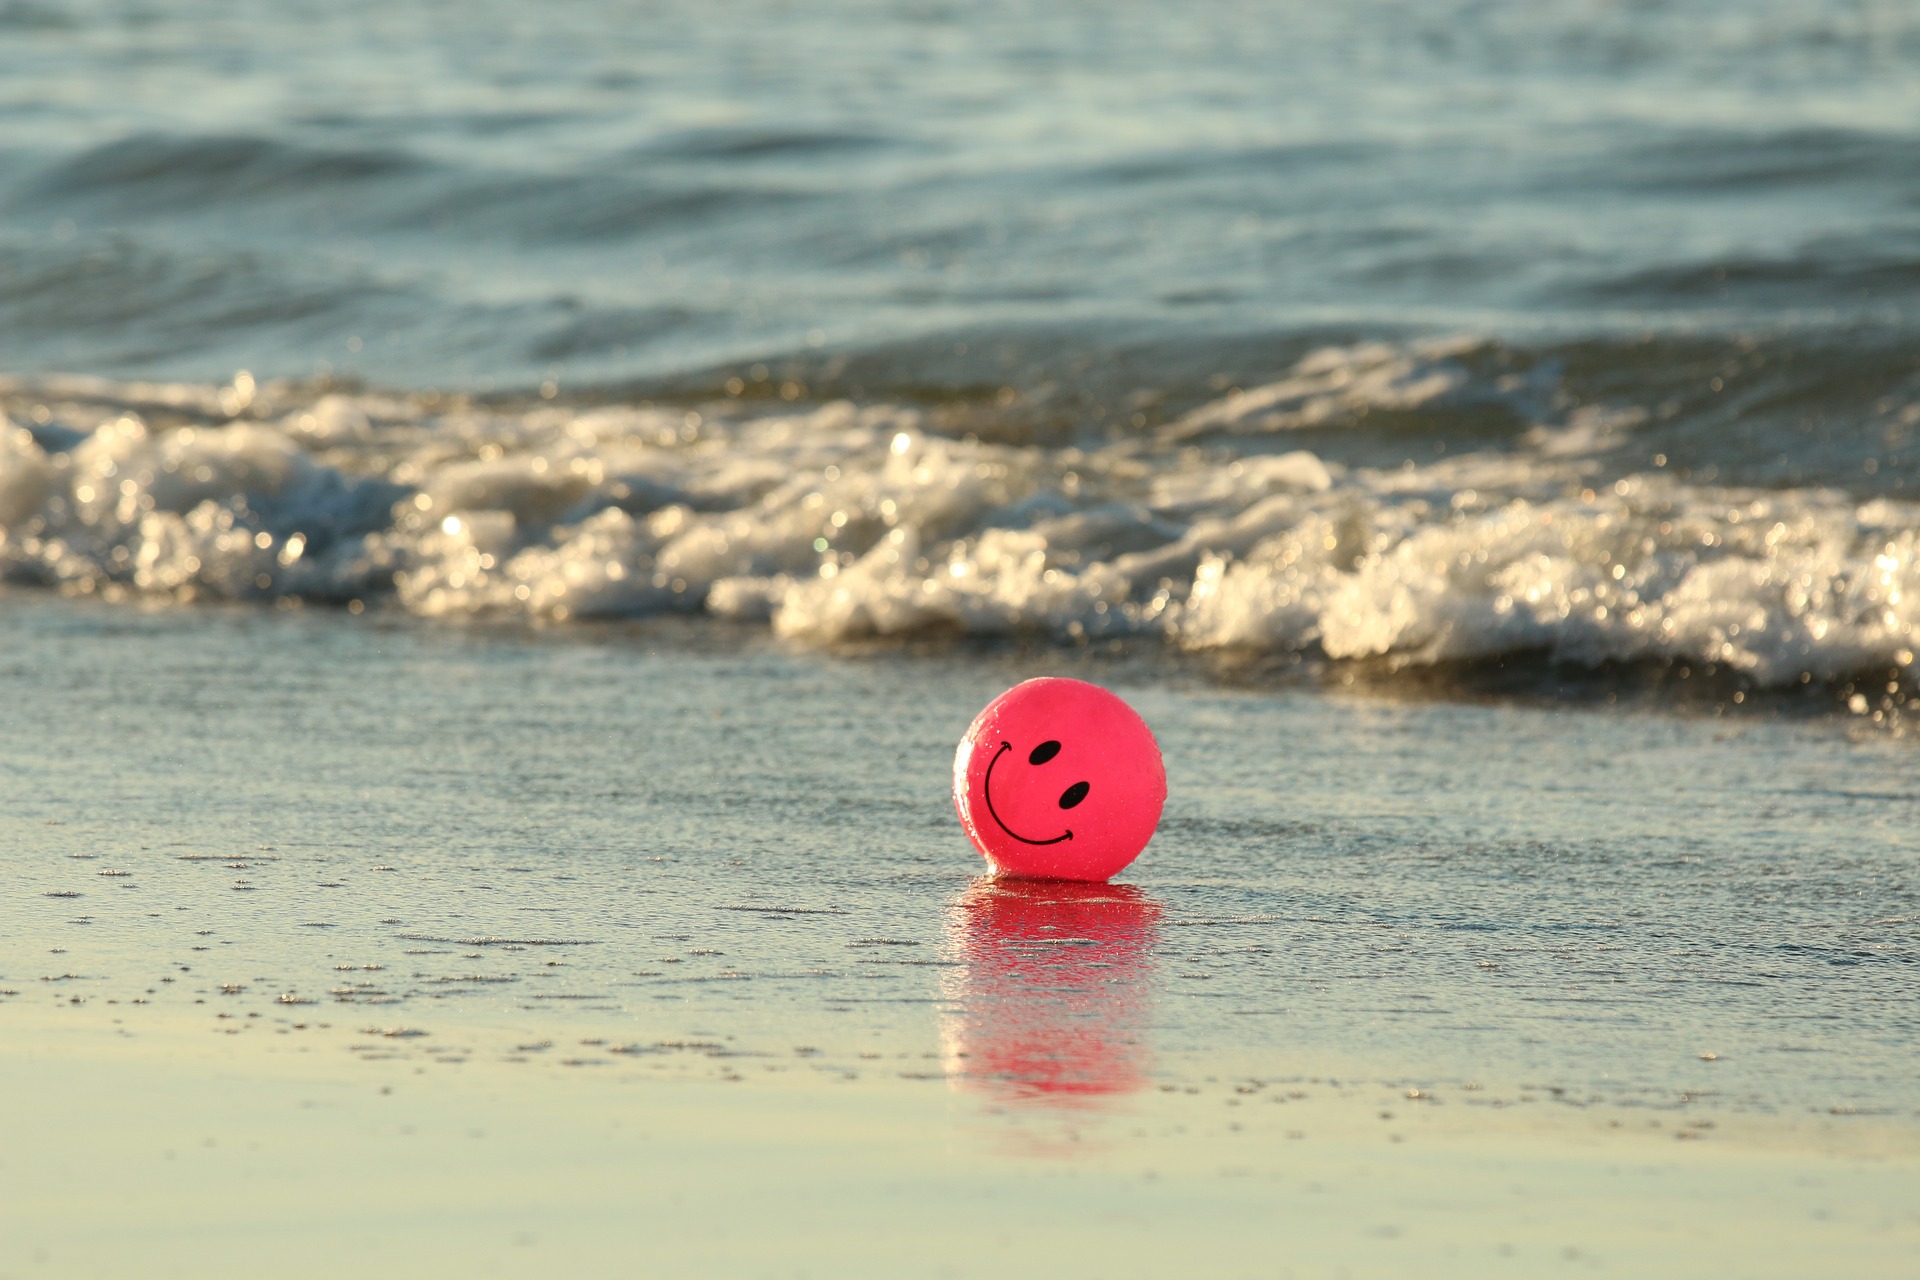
(843, 521)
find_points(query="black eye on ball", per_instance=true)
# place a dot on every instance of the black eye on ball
(1073, 795)
(1044, 752)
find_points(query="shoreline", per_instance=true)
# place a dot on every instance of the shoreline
(718, 863)
(138, 1148)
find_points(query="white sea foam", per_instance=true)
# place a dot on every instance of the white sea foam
(845, 521)
(1336, 381)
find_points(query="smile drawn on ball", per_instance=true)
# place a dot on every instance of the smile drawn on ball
(986, 789)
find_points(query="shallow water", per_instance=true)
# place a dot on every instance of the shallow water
(431, 946)
(500, 841)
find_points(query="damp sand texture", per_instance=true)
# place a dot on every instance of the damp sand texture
(333, 942)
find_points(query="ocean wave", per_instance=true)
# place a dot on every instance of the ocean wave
(616, 207)
(139, 303)
(186, 169)
(730, 143)
(847, 521)
(1722, 160)
(1884, 266)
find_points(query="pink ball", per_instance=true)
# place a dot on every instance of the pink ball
(1059, 780)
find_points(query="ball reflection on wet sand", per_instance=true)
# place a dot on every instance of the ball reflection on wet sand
(1052, 997)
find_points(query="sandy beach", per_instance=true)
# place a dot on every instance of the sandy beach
(279, 996)
(163, 1150)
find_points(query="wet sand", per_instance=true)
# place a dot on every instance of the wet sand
(165, 1150)
(331, 944)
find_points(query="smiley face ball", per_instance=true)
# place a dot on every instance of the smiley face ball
(1059, 780)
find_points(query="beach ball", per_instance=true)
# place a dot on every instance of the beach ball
(1059, 779)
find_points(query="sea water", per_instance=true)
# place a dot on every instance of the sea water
(1130, 199)
(459, 843)
(1584, 332)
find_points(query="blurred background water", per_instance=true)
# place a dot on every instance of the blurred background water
(451, 196)
(1121, 278)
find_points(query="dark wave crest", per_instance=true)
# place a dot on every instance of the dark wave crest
(210, 171)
